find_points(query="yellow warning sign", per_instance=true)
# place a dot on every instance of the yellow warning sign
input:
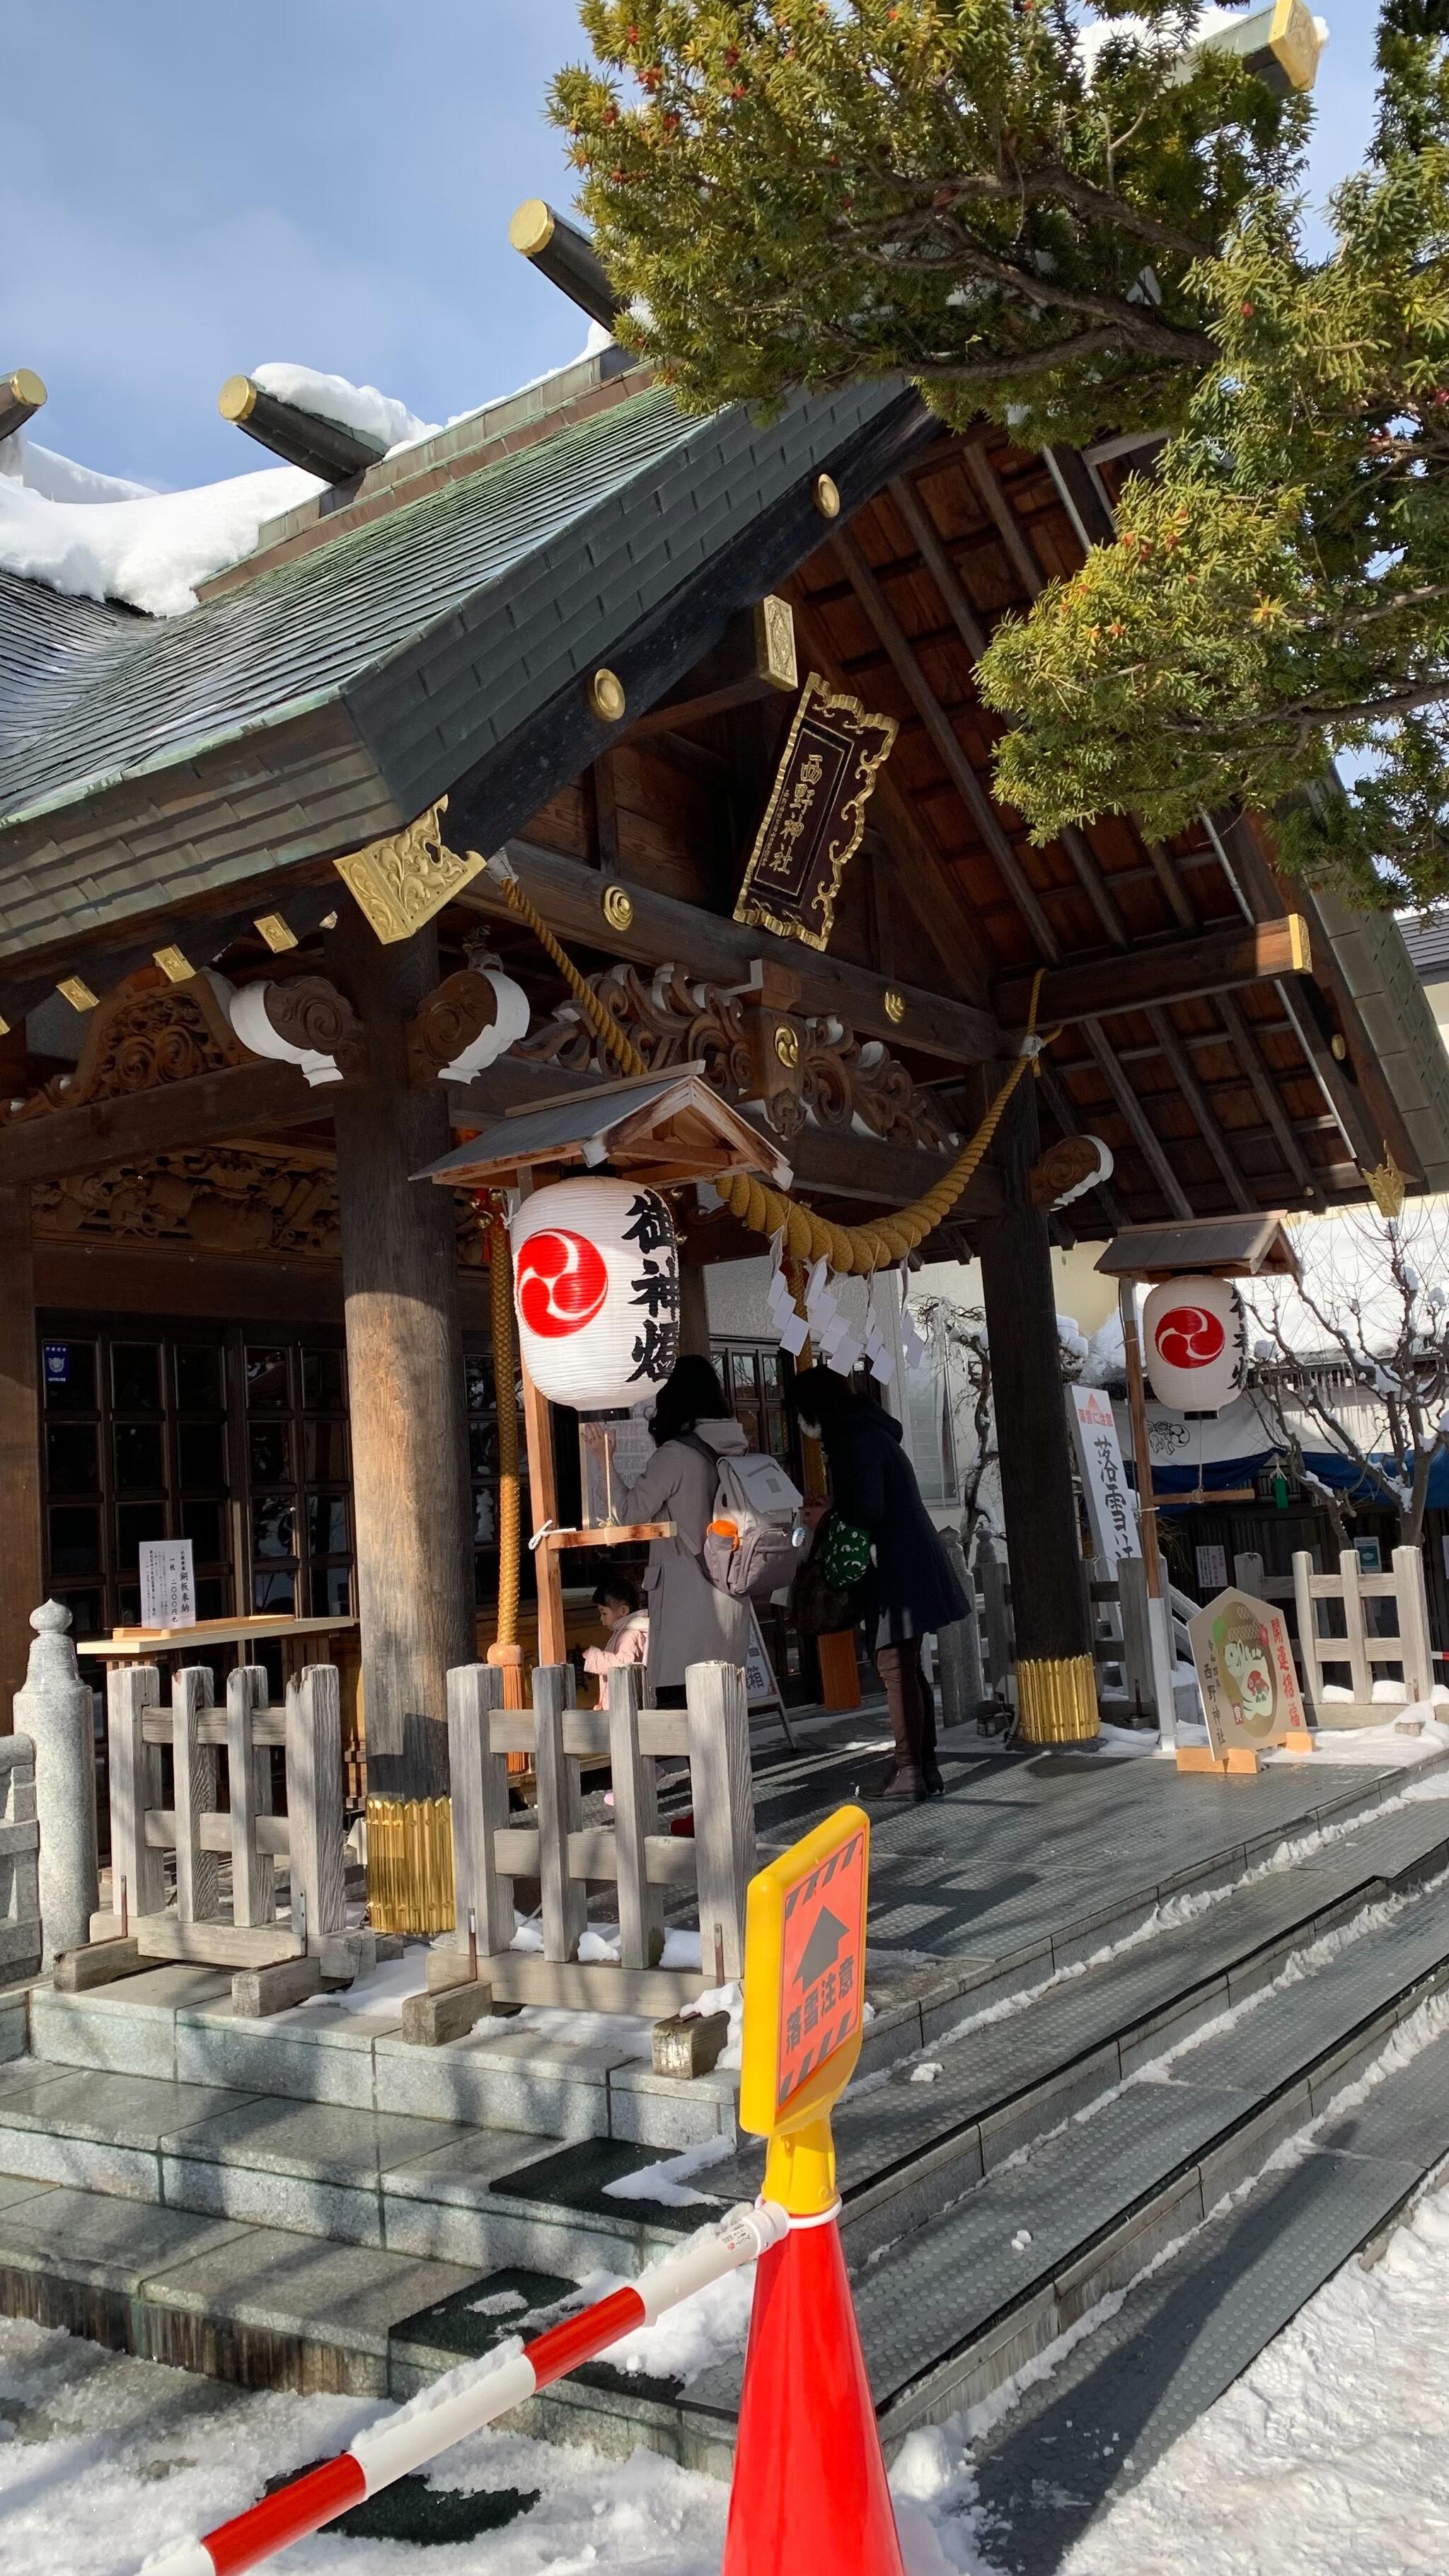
(805, 1978)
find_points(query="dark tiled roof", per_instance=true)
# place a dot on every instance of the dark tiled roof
(159, 690)
(150, 763)
(1426, 937)
(52, 651)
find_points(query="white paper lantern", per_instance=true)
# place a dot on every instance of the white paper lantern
(596, 1292)
(1195, 1344)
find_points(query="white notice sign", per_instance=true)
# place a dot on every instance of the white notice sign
(1111, 1504)
(1212, 1568)
(168, 1583)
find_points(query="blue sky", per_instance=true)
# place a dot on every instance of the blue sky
(188, 188)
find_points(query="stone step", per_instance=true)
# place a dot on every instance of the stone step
(175, 2024)
(1080, 2439)
(904, 2146)
(958, 2306)
(446, 2190)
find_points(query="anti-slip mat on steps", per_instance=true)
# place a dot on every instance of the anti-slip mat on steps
(1137, 1997)
(1110, 2409)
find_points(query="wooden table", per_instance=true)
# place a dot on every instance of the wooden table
(140, 1645)
(607, 1534)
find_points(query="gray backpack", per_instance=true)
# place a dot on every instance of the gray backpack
(753, 1555)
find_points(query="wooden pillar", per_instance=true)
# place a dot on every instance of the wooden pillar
(1043, 1548)
(21, 1566)
(410, 1487)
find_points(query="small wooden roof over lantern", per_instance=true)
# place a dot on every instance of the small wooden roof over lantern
(1220, 1247)
(657, 1128)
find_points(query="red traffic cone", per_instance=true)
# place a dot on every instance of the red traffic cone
(809, 2489)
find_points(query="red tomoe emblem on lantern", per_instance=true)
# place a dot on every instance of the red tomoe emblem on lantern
(1188, 1337)
(562, 1283)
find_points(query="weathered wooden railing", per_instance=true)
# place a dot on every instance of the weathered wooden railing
(253, 1938)
(1359, 1649)
(493, 1848)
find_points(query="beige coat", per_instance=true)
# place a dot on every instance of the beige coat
(689, 1621)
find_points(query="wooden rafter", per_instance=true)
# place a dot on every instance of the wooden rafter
(1210, 1126)
(1149, 1143)
(1174, 970)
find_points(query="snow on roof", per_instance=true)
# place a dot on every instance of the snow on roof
(148, 549)
(94, 536)
(359, 407)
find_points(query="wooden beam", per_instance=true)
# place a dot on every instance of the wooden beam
(1176, 970)
(207, 1110)
(1180, 1066)
(1069, 1119)
(1265, 1090)
(1019, 550)
(754, 658)
(973, 635)
(902, 655)
(661, 930)
(1149, 1144)
(927, 882)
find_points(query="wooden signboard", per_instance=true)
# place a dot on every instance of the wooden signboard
(1246, 1674)
(816, 814)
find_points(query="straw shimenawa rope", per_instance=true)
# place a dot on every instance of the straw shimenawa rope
(766, 1211)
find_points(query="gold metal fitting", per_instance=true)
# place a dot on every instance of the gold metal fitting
(25, 386)
(787, 1045)
(827, 496)
(895, 1007)
(410, 1864)
(275, 932)
(1057, 1699)
(78, 992)
(531, 228)
(618, 910)
(237, 398)
(606, 696)
(174, 963)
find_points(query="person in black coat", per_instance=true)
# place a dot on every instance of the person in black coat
(912, 1589)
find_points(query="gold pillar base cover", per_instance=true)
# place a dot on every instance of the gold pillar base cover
(1057, 1698)
(410, 1864)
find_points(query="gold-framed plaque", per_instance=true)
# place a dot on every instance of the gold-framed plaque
(816, 814)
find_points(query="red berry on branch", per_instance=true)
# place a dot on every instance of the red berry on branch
(1246, 311)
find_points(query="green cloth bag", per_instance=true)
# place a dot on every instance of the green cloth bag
(845, 1552)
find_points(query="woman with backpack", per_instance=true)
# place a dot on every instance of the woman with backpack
(910, 1590)
(690, 1621)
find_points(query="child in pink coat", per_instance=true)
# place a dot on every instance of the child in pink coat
(626, 1630)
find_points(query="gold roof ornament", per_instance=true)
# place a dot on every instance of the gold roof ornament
(404, 880)
(1386, 1187)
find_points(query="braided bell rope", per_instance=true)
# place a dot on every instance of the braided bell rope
(767, 1211)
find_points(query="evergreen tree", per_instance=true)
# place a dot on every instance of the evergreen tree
(1074, 233)
(802, 192)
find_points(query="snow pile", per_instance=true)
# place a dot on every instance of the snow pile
(688, 2340)
(357, 407)
(668, 2181)
(56, 478)
(150, 550)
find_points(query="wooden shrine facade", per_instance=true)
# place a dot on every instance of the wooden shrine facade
(551, 615)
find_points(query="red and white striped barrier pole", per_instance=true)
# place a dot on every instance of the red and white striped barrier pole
(466, 2400)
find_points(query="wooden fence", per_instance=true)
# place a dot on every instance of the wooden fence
(494, 1849)
(308, 1837)
(1349, 1660)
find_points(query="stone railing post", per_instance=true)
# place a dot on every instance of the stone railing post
(56, 1710)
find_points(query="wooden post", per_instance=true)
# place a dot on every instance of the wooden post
(564, 1898)
(135, 1768)
(1048, 1593)
(198, 1898)
(314, 1802)
(480, 1807)
(1417, 1658)
(22, 1579)
(405, 1374)
(1159, 1608)
(724, 1812)
(636, 1817)
(543, 1496)
(249, 1771)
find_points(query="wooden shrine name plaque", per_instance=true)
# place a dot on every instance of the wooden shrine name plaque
(816, 814)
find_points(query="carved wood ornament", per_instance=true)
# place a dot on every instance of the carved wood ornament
(836, 1081)
(135, 1041)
